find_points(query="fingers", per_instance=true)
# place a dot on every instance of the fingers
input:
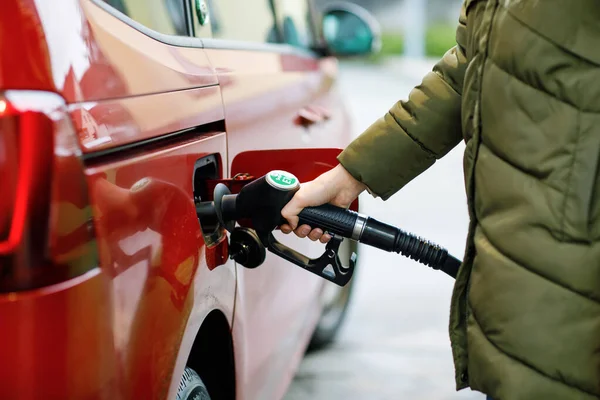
(290, 212)
(304, 231)
(315, 234)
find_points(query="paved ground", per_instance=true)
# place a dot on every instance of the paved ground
(394, 344)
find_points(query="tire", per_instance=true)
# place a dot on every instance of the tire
(191, 387)
(336, 301)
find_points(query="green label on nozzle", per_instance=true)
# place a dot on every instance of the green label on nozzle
(282, 180)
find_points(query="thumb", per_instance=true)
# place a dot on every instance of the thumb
(292, 209)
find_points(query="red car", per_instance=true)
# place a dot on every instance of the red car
(116, 116)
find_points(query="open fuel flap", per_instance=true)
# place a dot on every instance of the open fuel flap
(305, 164)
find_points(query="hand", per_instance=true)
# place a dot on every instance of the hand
(336, 187)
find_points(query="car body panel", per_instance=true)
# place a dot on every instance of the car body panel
(89, 54)
(51, 332)
(166, 90)
(107, 124)
(144, 111)
(144, 64)
(264, 95)
(22, 38)
(150, 243)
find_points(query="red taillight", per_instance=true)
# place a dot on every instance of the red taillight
(8, 168)
(45, 232)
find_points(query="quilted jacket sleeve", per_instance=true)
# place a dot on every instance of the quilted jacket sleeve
(414, 133)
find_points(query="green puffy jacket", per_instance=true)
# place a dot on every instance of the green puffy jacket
(522, 88)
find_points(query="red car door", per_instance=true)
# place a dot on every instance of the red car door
(276, 95)
(146, 148)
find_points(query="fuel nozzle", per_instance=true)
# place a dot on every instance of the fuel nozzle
(261, 202)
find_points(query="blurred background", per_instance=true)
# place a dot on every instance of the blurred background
(394, 343)
(412, 28)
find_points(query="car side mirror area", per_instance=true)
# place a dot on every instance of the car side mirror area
(350, 30)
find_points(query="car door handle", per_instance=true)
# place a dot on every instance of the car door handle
(325, 113)
(307, 116)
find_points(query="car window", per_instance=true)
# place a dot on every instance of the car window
(295, 20)
(164, 16)
(245, 20)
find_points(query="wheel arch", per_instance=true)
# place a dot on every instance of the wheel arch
(211, 356)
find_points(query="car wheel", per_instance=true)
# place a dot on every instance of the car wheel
(335, 300)
(191, 387)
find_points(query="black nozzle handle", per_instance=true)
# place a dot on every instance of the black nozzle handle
(329, 218)
(352, 225)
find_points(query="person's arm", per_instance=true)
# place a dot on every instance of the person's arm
(414, 133)
(397, 147)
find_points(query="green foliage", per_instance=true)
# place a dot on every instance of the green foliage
(438, 40)
(391, 43)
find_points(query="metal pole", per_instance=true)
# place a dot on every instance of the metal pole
(415, 24)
